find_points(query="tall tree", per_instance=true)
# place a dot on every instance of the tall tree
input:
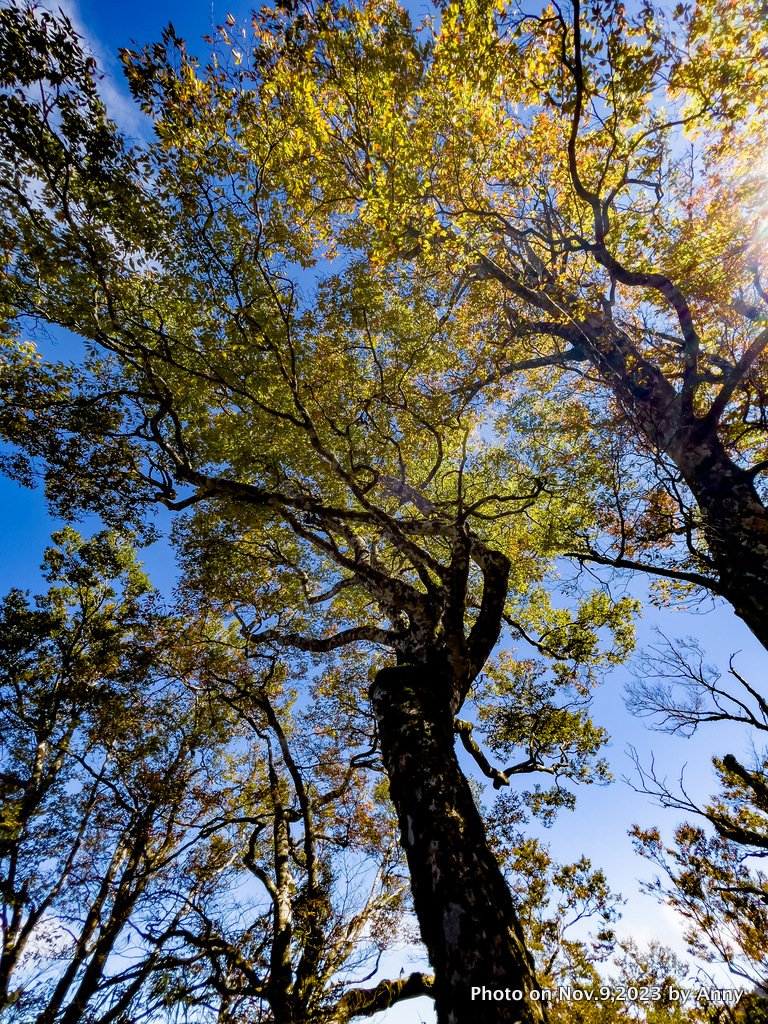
(148, 770)
(581, 187)
(102, 799)
(295, 401)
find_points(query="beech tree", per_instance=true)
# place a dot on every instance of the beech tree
(581, 188)
(293, 403)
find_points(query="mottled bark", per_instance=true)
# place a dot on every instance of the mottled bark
(361, 1002)
(734, 518)
(464, 907)
(280, 982)
(735, 523)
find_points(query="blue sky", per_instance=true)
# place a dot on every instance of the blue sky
(599, 825)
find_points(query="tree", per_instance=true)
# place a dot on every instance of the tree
(322, 848)
(148, 769)
(580, 189)
(338, 493)
(595, 977)
(713, 886)
(647, 986)
(102, 798)
(330, 889)
(526, 170)
(713, 881)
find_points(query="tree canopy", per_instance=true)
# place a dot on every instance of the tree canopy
(580, 189)
(394, 317)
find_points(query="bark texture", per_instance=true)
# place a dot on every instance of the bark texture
(363, 1002)
(465, 910)
(735, 524)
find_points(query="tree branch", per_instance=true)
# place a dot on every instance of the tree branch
(464, 730)
(355, 634)
(359, 1002)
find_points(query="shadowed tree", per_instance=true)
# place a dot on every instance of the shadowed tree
(580, 189)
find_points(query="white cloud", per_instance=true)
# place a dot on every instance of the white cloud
(657, 922)
(112, 87)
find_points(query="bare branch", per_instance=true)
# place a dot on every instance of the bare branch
(360, 1002)
(355, 634)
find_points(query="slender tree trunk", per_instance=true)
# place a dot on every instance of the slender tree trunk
(280, 984)
(483, 972)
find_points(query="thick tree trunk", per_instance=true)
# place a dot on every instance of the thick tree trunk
(483, 971)
(733, 515)
(735, 524)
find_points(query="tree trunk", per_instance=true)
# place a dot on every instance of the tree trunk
(734, 517)
(735, 524)
(483, 972)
